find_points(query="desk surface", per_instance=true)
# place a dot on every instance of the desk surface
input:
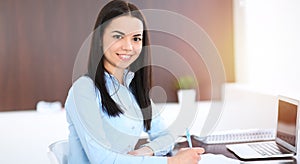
(41, 129)
(25, 135)
(221, 149)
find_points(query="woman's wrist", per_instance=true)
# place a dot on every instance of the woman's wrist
(148, 151)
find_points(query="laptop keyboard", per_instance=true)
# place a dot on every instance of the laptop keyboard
(269, 148)
(237, 136)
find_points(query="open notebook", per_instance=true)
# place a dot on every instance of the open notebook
(285, 143)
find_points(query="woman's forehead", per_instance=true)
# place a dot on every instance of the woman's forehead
(126, 25)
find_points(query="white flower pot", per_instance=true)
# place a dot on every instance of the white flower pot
(186, 95)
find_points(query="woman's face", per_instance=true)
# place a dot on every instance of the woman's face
(122, 42)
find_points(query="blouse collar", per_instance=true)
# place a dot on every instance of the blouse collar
(127, 77)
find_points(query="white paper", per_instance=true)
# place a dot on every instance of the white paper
(212, 158)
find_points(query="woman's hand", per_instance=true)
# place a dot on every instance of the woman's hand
(144, 151)
(186, 155)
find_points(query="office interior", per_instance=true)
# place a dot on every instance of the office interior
(257, 43)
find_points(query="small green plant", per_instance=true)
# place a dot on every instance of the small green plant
(186, 82)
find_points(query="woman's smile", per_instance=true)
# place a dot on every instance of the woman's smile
(125, 57)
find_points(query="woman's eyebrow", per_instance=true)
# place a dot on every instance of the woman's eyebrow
(121, 33)
(118, 32)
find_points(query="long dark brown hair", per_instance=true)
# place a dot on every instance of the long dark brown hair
(141, 83)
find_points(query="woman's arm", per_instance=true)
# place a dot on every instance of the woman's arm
(161, 139)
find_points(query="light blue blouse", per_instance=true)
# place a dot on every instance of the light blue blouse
(96, 137)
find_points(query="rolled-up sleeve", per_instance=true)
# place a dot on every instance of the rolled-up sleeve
(88, 146)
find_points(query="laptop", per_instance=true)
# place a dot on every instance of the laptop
(285, 143)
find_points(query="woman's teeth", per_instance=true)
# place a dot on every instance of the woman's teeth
(124, 56)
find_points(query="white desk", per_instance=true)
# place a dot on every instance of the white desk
(244, 113)
(26, 135)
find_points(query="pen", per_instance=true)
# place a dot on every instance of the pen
(188, 137)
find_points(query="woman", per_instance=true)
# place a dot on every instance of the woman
(108, 109)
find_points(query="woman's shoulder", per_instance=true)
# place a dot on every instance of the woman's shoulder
(83, 84)
(83, 87)
(83, 80)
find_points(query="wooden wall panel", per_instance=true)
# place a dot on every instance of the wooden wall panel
(39, 41)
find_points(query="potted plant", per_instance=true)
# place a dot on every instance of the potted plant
(186, 88)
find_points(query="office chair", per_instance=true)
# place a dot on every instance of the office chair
(58, 152)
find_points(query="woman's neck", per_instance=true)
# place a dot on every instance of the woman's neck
(119, 76)
(117, 73)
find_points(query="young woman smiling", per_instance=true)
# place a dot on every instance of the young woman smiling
(109, 108)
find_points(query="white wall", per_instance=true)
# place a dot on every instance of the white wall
(267, 45)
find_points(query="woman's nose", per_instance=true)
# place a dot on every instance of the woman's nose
(127, 45)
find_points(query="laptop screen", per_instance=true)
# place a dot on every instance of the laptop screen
(287, 121)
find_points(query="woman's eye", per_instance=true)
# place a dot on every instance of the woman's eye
(137, 39)
(117, 36)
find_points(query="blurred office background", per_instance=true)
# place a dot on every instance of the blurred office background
(40, 41)
(266, 51)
